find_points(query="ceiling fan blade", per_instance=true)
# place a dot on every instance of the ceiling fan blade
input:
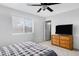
(53, 3)
(33, 4)
(36, 5)
(39, 10)
(49, 9)
(49, 3)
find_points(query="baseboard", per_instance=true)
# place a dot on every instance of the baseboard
(76, 49)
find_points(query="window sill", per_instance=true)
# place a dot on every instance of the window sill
(22, 33)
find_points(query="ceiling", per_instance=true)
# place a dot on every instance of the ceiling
(59, 8)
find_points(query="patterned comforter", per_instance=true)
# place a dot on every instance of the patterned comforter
(26, 49)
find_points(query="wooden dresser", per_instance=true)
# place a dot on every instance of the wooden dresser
(65, 41)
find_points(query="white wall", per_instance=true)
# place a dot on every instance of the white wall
(70, 17)
(39, 30)
(6, 36)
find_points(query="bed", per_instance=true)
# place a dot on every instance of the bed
(26, 49)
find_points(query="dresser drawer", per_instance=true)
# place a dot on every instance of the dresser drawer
(55, 41)
(65, 45)
(64, 41)
(55, 37)
(66, 37)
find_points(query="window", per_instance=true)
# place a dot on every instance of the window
(21, 25)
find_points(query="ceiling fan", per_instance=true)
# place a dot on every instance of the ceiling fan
(44, 6)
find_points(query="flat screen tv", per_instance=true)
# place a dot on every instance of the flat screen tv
(64, 29)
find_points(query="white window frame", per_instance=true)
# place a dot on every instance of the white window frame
(23, 26)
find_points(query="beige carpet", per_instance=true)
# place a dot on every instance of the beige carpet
(60, 51)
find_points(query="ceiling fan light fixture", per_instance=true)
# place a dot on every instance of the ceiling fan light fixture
(44, 6)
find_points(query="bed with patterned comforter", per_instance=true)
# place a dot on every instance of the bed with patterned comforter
(26, 49)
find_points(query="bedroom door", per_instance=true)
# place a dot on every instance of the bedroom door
(47, 30)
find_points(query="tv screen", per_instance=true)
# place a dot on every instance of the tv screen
(64, 29)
